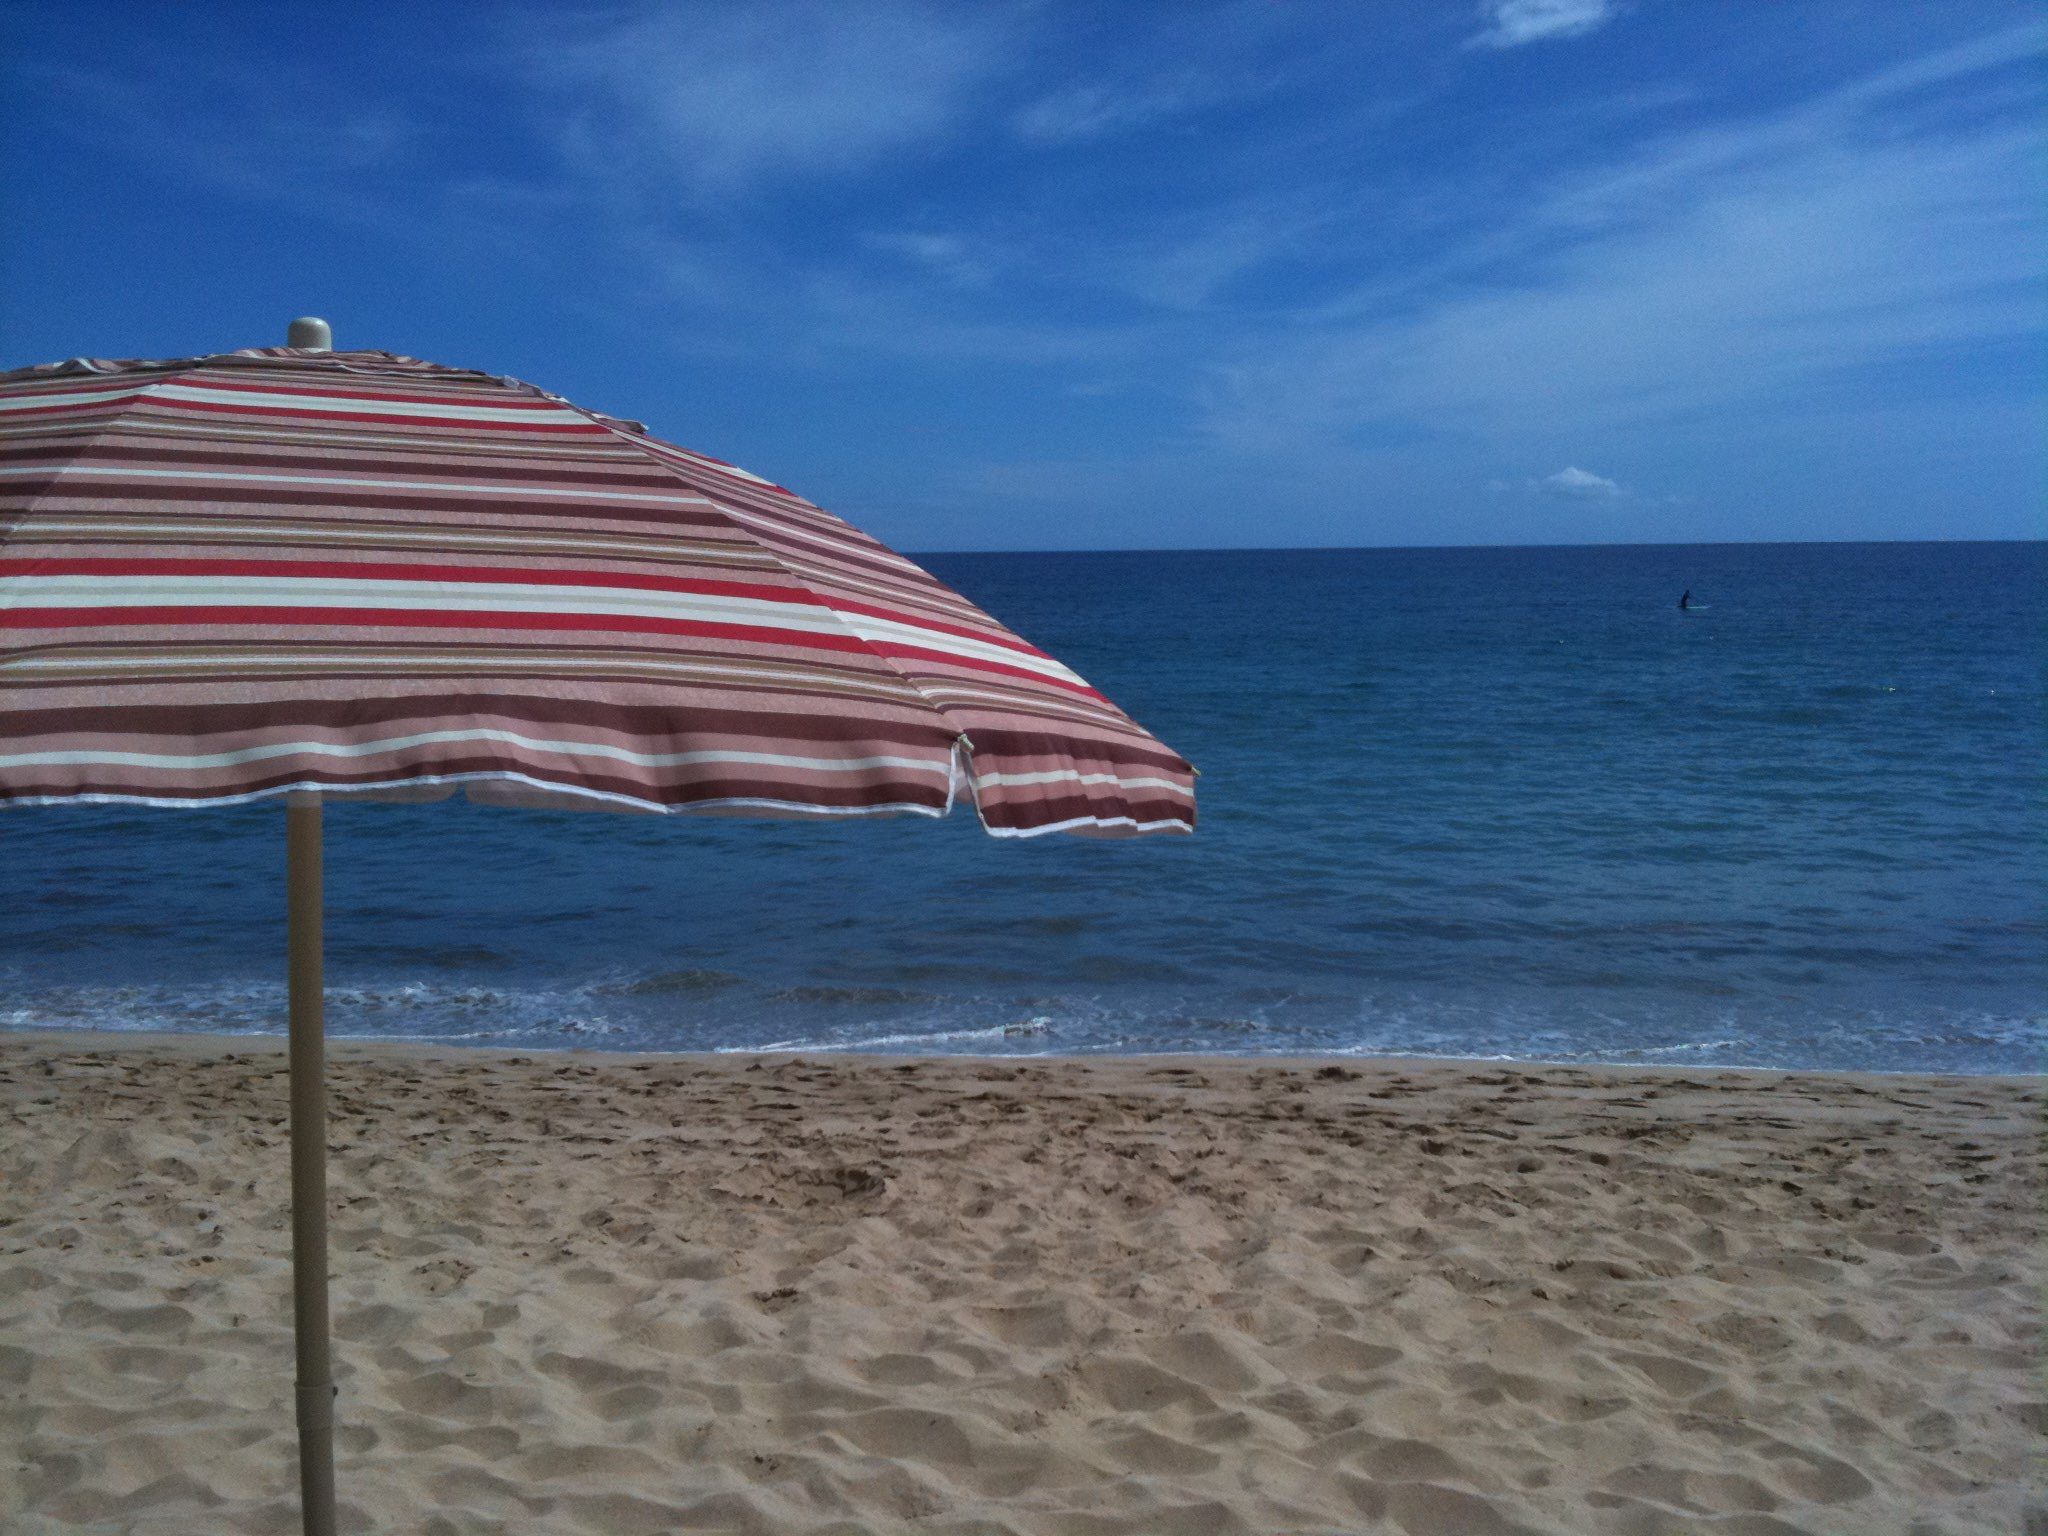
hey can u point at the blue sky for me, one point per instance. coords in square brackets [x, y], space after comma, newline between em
[1011, 276]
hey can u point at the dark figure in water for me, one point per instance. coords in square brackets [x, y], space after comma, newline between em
[1685, 600]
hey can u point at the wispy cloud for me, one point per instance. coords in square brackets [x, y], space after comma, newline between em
[1192, 261]
[305, 148]
[266, 137]
[1261, 256]
[724, 94]
[1511, 23]
[1089, 111]
[1732, 268]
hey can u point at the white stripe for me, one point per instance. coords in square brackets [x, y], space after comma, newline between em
[1078, 822]
[204, 395]
[803, 617]
[212, 663]
[1066, 775]
[875, 688]
[287, 591]
[178, 763]
[355, 434]
[30, 402]
[508, 493]
[871, 628]
[601, 545]
[72, 365]
[604, 547]
[575, 791]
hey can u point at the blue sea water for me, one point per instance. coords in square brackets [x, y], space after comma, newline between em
[1476, 802]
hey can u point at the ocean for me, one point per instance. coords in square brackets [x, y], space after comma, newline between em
[1494, 803]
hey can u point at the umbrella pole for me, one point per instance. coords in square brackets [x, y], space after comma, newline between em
[309, 1162]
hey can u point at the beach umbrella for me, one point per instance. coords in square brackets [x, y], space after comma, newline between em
[298, 573]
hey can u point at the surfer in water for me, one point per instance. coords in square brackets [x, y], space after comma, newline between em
[1685, 600]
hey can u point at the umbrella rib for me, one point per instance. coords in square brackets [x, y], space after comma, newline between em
[907, 626]
[165, 372]
[65, 459]
[732, 516]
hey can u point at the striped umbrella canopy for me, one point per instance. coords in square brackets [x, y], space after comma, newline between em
[302, 573]
[233, 576]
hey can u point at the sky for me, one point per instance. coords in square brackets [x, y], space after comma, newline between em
[1037, 275]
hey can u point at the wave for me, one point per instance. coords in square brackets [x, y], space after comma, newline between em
[689, 1010]
[898, 1043]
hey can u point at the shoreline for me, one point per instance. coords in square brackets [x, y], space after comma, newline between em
[606, 1294]
[208, 1041]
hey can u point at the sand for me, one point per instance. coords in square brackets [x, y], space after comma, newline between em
[579, 1293]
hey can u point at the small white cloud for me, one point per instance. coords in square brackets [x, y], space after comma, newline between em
[1578, 485]
[1511, 23]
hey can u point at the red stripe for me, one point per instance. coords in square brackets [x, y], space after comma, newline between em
[504, 399]
[188, 618]
[27, 381]
[381, 418]
[97, 403]
[401, 618]
[93, 778]
[85, 485]
[365, 570]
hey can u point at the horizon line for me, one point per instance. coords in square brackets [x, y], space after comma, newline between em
[1282, 549]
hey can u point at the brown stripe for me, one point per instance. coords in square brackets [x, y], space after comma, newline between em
[724, 542]
[309, 433]
[257, 680]
[1122, 753]
[1038, 813]
[732, 558]
[861, 671]
[353, 717]
[66, 487]
[677, 793]
[95, 453]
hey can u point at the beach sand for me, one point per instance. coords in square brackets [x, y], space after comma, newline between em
[611, 1294]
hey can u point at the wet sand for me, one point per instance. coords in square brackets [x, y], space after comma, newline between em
[611, 1294]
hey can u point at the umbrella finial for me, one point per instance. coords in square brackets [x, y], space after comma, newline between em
[310, 333]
